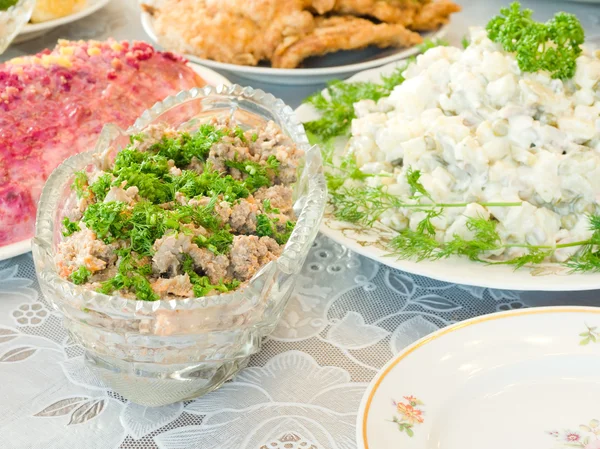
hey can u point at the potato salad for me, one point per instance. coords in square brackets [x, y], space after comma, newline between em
[479, 151]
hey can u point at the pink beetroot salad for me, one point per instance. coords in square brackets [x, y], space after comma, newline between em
[54, 105]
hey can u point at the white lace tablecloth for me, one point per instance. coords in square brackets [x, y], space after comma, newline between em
[347, 318]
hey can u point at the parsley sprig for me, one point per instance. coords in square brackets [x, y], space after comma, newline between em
[552, 46]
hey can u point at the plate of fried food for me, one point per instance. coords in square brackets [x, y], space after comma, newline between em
[49, 14]
[54, 105]
[475, 165]
[295, 41]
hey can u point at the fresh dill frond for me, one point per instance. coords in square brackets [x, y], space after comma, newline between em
[534, 256]
[432, 43]
[337, 106]
[425, 226]
[413, 178]
[414, 245]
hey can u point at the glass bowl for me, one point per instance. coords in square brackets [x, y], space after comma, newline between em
[157, 353]
[12, 20]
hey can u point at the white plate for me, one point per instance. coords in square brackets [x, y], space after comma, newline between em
[519, 379]
[319, 70]
[211, 77]
[550, 277]
[33, 30]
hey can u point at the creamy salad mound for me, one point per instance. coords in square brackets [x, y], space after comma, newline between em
[479, 131]
[178, 214]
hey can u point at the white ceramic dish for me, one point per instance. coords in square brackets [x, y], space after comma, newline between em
[319, 70]
[211, 77]
[456, 270]
[518, 379]
[33, 30]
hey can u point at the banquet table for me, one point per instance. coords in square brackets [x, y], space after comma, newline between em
[347, 317]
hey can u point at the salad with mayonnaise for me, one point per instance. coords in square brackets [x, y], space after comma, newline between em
[491, 151]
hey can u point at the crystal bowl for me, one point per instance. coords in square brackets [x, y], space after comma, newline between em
[12, 20]
[157, 353]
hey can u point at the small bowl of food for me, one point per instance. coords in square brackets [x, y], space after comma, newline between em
[172, 248]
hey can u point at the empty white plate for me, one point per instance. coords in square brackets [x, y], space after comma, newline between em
[520, 379]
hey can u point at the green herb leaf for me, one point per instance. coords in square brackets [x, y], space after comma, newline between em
[101, 187]
[553, 46]
[183, 148]
[107, 220]
[219, 242]
[267, 227]
[80, 184]
[80, 276]
[70, 227]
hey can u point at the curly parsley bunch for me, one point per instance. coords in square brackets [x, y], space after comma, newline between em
[553, 46]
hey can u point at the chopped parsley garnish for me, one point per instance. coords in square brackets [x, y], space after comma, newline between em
[172, 165]
[69, 227]
[465, 42]
[239, 133]
[210, 183]
[258, 175]
[107, 220]
[151, 186]
[267, 227]
[219, 242]
[80, 276]
[183, 148]
[268, 208]
[80, 185]
[101, 187]
[202, 285]
[254, 137]
[552, 46]
[131, 276]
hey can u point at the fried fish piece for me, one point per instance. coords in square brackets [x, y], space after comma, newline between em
[418, 15]
[433, 15]
[286, 32]
[332, 34]
[233, 31]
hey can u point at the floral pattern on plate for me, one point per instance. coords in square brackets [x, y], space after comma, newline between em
[587, 437]
[408, 414]
[590, 335]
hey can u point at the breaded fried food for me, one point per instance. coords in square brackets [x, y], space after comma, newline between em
[285, 32]
[420, 15]
[331, 35]
[234, 31]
